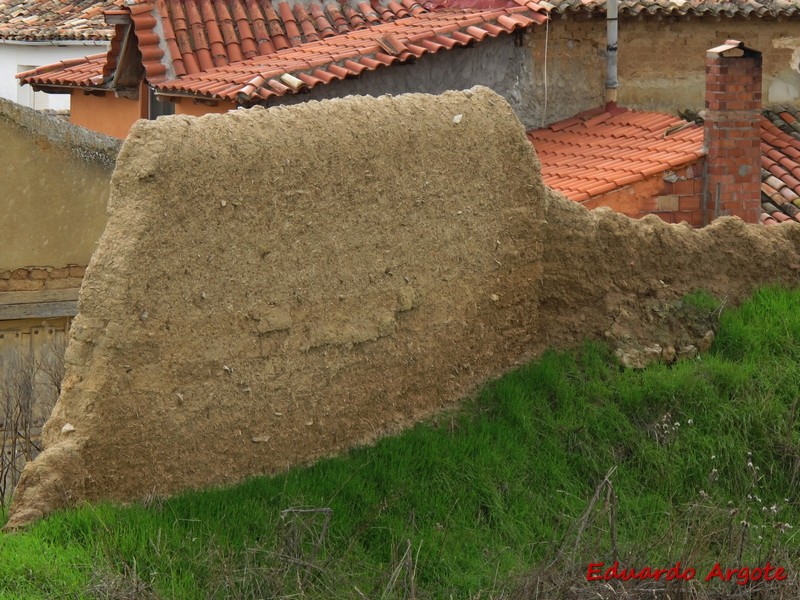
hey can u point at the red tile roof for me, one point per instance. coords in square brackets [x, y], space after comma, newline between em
[249, 51]
[780, 165]
[349, 54]
[84, 72]
[729, 8]
[602, 150]
[38, 20]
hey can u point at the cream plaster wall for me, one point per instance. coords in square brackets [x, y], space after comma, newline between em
[661, 62]
[53, 202]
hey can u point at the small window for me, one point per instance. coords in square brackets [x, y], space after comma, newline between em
[156, 108]
[27, 97]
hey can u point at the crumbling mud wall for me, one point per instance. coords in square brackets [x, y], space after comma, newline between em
[277, 285]
[612, 277]
[90, 146]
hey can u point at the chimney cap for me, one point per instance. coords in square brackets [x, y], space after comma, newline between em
[117, 17]
[732, 45]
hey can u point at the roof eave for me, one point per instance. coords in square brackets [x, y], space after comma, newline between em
[55, 42]
[61, 88]
[171, 95]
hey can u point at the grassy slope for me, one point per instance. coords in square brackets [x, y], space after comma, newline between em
[482, 495]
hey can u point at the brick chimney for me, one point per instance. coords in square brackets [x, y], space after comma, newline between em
[733, 132]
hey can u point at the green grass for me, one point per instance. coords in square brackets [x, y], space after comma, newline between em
[483, 495]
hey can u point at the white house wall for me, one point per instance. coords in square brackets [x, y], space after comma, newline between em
[14, 55]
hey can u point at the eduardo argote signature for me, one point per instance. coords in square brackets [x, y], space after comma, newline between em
[742, 574]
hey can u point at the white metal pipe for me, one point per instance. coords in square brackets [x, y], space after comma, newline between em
[612, 19]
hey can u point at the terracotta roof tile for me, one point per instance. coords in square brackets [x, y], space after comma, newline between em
[729, 8]
[780, 189]
[84, 72]
[217, 48]
[603, 143]
[581, 151]
[55, 20]
[360, 46]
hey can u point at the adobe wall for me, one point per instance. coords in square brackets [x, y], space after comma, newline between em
[54, 192]
[278, 285]
[661, 61]
[89, 145]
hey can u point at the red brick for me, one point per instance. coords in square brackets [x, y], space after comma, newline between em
[690, 203]
[697, 219]
[648, 204]
[683, 187]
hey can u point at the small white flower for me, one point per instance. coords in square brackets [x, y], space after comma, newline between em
[690, 421]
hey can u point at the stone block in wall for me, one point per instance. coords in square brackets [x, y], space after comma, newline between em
[25, 285]
[669, 203]
[63, 283]
[37, 273]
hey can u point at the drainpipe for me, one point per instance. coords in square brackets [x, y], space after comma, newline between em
[611, 53]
